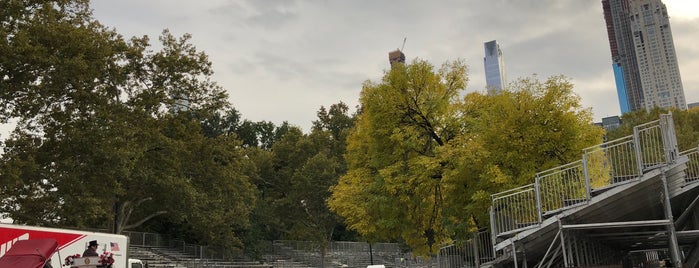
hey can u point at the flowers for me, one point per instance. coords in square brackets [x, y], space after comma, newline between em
[107, 258]
[69, 259]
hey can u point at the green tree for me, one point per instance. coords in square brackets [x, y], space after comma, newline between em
[113, 131]
[686, 125]
[293, 177]
[422, 163]
[393, 188]
[534, 126]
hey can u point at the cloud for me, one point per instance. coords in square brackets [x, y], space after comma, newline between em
[281, 60]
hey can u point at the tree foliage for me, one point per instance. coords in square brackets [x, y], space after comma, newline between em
[113, 131]
[423, 161]
[535, 126]
[294, 178]
[120, 133]
[393, 188]
[686, 125]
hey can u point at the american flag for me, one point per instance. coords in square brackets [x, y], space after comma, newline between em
[114, 246]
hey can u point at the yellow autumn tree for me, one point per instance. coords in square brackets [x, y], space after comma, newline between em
[423, 160]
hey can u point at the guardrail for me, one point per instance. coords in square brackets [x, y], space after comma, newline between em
[469, 253]
[561, 187]
[195, 251]
[603, 166]
[692, 171]
[514, 209]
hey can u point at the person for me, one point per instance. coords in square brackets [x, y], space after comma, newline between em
[47, 264]
[91, 250]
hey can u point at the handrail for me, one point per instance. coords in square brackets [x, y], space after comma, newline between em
[507, 192]
[692, 171]
[609, 164]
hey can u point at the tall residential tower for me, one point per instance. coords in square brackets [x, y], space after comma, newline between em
[643, 55]
[494, 67]
[396, 56]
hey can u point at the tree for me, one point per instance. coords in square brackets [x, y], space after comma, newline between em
[293, 177]
[422, 163]
[686, 122]
[393, 188]
[112, 131]
[535, 126]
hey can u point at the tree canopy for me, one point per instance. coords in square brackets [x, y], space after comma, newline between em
[423, 160]
[686, 125]
[112, 130]
[128, 135]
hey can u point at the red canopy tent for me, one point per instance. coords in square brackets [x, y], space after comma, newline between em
[29, 253]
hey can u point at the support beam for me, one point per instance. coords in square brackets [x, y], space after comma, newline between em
[514, 252]
[563, 244]
[619, 224]
[549, 249]
[682, 219]
[555, 255]
[693, 259]
[693, 256]
[674, 246]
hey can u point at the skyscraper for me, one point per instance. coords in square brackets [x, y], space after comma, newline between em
[494, 67]
[643, 55]
[396, 56]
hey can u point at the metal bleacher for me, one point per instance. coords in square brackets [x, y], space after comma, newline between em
[629, 202]
[157, 252]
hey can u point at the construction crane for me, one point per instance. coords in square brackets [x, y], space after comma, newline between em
[397, 56]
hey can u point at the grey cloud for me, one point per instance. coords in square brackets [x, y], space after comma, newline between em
[280, 66]
[327, 48]
[269, 15]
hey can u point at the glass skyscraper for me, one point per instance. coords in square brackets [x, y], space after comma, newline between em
[494, 67]
[643, 55]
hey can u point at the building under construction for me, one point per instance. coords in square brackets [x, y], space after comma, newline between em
[630, 202]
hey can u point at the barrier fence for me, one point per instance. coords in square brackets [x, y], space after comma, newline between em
[692, 171]
[469, 253]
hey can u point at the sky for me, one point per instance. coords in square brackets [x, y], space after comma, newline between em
[281, 60]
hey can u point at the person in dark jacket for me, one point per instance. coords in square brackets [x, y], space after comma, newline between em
[91, 250]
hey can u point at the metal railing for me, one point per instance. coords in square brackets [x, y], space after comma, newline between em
[345, 254]
[184, 254]
[692, 171]
[609, 164]
[561, 187]
[514, 209]
[469, 253]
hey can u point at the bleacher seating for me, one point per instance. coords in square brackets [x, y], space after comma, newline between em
[165, 257]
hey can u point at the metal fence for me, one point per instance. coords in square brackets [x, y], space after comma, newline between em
[611, 163]
[561, 187]
[469, 253]
[343, 254]
[514, 209]
[192, 251]
[606, 165]
[692, 171]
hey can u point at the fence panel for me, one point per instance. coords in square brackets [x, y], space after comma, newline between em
[469, 253]
[514, 209]
[611, 163]
[561, 187]
[651, 144]
[692, 171]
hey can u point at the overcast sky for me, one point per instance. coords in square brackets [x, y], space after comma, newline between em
[281, 60]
